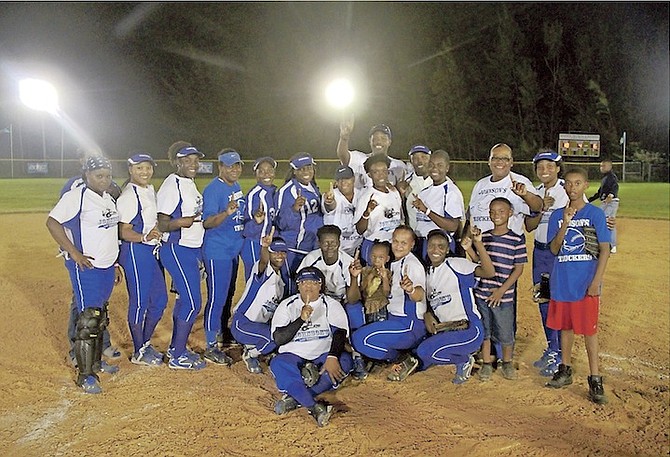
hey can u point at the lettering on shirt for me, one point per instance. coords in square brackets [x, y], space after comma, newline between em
[108, 219]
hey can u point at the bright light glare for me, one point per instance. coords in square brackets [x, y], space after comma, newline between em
[38, 95]
[340, 93]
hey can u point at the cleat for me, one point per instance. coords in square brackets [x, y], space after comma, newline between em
[485, 372]
[187, 361]
[107, 368]
[542, 361]
[252, 363]
[147, 357]
[463, 371]
[613, 250]
[310, 374]
[112, 353]
[216, 355]
[553, 361]
[404, 369]
[359, 373]
[91, 385]
[596, 390]
[321, 413]
[562, 377]
[286, 404]
[508, 371]
[153, 352]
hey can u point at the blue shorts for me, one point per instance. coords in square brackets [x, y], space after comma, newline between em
[498, 322]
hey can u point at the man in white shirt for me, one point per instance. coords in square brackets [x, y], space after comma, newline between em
[417, 179]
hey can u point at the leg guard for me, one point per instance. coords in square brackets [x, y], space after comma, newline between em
[88, 342]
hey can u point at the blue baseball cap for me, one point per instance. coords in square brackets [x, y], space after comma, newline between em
[97, 162]
[309, 274]
[267, 159]
[278, 245]
[420, 148]
[344, 172]
[187, 151]
[381, 128]
[302, 159]
[139, 158]
[547, 155]
[230, 158]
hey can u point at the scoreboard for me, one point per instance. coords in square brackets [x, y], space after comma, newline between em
[579, 145]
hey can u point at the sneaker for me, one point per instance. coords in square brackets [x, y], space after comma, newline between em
[359, 372]
[553, 361]
[542, 361]
[187, 361]
[310, 374]
[107, 368]
[146, 357]
[613, 250]
[252, 363]
[112, 353]
[321, 413]
[154, 353]
[485, 372]
[404, 369]
[91, 385]
[286, 404]
[596, 390]
[463, 371]
[216, 355]
[508, 371]
[562, 377]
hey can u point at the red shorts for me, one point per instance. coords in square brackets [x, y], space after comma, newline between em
[580, 316]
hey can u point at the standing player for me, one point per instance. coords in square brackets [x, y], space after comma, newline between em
[138, 230]
[339, 206]
[608, 194]
[223, 216]
[417, 179]
[380, 141]
[547, 167]
[259, 213]
[580, 240]
[179, 206]
[299, 209]
[84, 224]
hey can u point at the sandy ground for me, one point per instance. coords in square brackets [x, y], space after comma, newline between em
[228, 411]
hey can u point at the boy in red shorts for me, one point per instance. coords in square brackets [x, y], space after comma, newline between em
[576, 279]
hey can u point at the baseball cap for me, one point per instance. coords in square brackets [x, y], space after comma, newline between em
[267, 159]
[381, 128]
[97, 162]
[344, 172]
[420, 148]
[309, 274]
[139, 158]
[187, 151]
[278, 245]
[547, 155]
[230, 158]
[301, 159]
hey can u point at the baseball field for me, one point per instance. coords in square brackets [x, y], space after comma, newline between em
[228, 411]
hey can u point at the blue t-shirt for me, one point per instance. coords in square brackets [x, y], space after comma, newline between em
[225, 240]
[575, 268]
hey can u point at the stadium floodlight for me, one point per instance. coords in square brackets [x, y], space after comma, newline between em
[39, 95]
[340, 93]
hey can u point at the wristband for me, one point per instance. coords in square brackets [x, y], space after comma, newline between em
[366, 217]
[412, 292]
[144, 238]
[428, 211]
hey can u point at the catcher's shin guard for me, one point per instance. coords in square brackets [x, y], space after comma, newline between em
[88, 343]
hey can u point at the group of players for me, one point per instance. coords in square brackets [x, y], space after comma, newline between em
[386, 266]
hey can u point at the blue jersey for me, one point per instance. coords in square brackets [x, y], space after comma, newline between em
[575, 268]
[259, 196]
[506, 251]
[298, 228]
[225, 240]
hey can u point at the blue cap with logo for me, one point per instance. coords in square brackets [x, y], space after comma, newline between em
[187, 151]
[547, 155]
[137, 159]
[278, 245]
[301, 159]
[381, 128]
[420, 148]
[309, 274]
[230, 158]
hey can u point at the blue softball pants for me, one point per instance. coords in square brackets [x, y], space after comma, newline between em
[256, 334]
[382, 340]
[447, 348]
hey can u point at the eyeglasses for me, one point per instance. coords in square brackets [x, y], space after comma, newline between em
[500, 159]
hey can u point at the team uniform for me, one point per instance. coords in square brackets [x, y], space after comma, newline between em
[449, 291]
[343, 217]
[337, 275]
[298, 228]
[145, 280]
[486, 190]
[312, 342]
[180, 254]
[404, 327]
[260, 196]
[445, 200]
[382, 221]
[397, 169]
[221, 249]
[570, 307]
[416, 184]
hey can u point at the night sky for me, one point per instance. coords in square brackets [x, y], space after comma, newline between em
[250, 75]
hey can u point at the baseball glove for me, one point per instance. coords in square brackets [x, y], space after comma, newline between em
[452, 326]
[591, 241]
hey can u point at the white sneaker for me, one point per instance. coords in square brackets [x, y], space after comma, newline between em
[613, 250]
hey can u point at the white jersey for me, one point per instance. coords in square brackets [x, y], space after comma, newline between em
[137, 206]
[91, 222]
[446, 292]
[399, 303]
[337, 275]
[486, 190]
[179, 197]
[397, 169]
[416, 185]
[560, 201]
[314, 337]
[445, 200]
[261, 295]
[386, 216]
[343, 217]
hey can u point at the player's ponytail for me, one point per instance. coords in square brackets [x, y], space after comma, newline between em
[174, 148]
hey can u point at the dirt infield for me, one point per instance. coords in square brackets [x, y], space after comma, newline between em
[228, 411]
